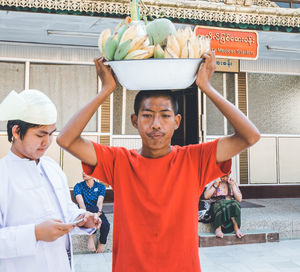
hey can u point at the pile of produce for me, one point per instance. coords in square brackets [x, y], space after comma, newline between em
[157, 39]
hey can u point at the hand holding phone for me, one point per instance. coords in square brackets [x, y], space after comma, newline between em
[74, 223]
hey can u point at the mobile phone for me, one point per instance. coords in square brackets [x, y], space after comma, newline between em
[74, 223]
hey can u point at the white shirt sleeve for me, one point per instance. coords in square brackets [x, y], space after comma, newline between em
[17, 241]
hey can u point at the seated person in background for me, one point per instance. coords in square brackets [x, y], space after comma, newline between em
[225, 195]
[89, 195]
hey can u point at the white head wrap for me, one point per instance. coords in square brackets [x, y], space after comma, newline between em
[31, 106]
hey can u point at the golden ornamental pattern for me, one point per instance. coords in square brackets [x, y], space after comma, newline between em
[257, 12]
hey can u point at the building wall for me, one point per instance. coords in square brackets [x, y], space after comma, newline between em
[69, 78]
[272, 103]
[68, 86]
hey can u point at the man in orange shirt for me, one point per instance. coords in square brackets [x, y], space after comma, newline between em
[157, 187]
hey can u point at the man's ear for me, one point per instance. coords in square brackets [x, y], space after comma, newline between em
[177, 121]
[15, 132]
[134, 120]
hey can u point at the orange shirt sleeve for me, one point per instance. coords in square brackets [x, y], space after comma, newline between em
[209, 169]
[105, 161]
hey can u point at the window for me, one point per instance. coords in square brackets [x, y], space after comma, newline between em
[216, 123]
[287, 3]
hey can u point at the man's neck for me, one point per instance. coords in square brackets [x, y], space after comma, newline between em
[14, 150]
[154, 154]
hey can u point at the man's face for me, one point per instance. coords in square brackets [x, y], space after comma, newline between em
[85, 176]
[156, 122]
[35, 142]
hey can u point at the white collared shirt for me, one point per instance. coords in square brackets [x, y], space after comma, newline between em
[28, 198]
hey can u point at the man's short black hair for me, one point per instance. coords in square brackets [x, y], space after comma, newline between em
[22, 128]
[157, 93]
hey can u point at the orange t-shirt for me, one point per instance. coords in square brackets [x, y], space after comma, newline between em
[156, 204]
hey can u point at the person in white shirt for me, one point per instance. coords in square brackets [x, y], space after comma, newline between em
[36, 210]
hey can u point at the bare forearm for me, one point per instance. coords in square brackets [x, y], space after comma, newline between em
[70, 138]
[80, 202]
[209, 192]
[237, 195]
[246, 134]
[100, 207]
[236, 192]
[100, 203]
[82, 206]
[241, 124]
[72, 131]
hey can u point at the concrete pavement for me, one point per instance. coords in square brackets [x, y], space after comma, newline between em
[280, 215]
[283, 256]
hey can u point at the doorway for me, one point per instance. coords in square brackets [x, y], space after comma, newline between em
[188, 131]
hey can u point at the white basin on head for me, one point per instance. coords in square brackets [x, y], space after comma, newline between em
[156, 74]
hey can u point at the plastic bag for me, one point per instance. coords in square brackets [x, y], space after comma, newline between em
[204, 212]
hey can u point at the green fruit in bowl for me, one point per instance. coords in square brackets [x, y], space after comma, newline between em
[159, 30]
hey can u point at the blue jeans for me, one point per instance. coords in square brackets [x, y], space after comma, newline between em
[105, 226]
[104, 229]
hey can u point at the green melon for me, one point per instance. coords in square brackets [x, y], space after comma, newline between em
[159, 30]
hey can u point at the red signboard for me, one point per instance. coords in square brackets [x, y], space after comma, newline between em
[229, 43]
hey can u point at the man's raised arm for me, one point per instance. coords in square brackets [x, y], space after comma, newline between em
[246, 134]
[70, 136]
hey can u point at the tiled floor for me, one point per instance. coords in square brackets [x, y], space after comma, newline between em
[283, 256]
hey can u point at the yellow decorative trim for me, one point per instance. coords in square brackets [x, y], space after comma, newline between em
[256, 12]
